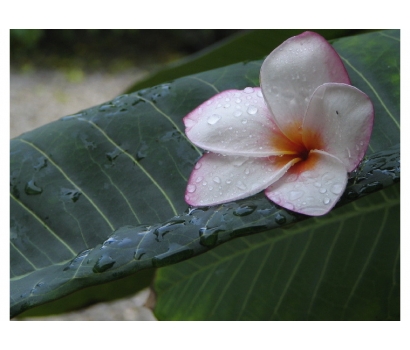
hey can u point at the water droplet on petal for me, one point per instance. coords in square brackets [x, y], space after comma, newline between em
[248, 90]
[295, 195]
[337, 188]
[217, 179]
[259, 94]
[247, 171]
[213, 119]
[189, 122]
[326, 201]
[244, 121]
[191, 188]
[318, 184]
[238, 100]
[237, 113]
[252, 109]
[241, 185]
[322, 190]
[228, 181]
[197, 165]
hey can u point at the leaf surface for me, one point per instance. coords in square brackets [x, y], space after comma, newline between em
[342, 266]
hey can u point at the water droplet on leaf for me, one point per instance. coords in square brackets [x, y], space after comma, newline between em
[31, 188]
[244, 210]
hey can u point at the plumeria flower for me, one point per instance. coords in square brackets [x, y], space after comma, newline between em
[296, 137]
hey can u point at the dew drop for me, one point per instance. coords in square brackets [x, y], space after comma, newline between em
[213, 119]
[199, 179]
[322, 190]
[337, 188]
[103, 264]
[31, 188]
[293, 195]
[217, 179]
[244, 210]
[326, 201]
[238, 100]
[197, 165]
[247, 171]
[191, 188]
[139, 253]
[241, 185]
[259, 94]
[318, 184]
[227, 105]
[239, 161]
[244, 121]
[228, 181]
[280, 219]
[252, 109]
[237, 113]
[248, 90]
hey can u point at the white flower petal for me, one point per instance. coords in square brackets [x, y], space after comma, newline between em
[292, 72]
[310, 187]
[237, 122]
[339, 120]
[219, 179]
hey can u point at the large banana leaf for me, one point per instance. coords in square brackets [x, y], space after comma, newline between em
[98, 195]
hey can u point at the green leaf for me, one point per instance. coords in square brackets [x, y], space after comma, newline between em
[342, 266]
[99, 195]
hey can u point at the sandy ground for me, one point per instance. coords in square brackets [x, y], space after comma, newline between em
[40, 97]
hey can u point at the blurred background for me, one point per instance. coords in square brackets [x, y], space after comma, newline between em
[59, 72]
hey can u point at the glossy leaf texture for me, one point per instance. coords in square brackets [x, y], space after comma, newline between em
[342, 266]
[99, 195]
